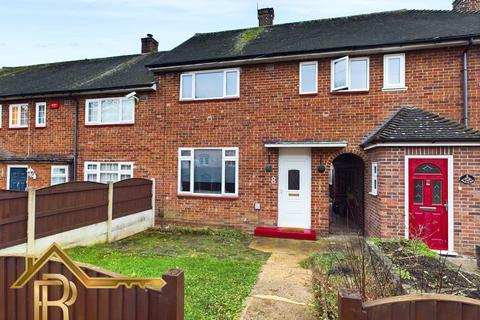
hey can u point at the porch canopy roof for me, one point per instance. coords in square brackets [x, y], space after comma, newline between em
[410, 125]
[8, 156]
[306, 144]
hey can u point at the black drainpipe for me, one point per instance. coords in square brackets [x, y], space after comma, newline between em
[75, 140]
[465, 82]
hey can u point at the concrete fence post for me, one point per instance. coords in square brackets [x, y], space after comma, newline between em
[154, 197]
[350, 305]
[31, 221]
[110, 212]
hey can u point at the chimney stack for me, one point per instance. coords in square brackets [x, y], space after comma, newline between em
[466, 5]
[265, 17]
[149, 44]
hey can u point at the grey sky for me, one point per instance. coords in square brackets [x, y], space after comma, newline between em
[33, 31]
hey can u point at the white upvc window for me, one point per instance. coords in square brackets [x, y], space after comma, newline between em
[59, 174]
[374, 190]
[104, 172]
[211, 84]
[110, 111]
[208, 171]
[40, 114]
[308, 77]
[350, 74]
[18, 116]
[1, 115]
[394, 72]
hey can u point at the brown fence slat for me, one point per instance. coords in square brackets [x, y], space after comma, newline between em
[131, 196]
[13, 218]
[118, 304]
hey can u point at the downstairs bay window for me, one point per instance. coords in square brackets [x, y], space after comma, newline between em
[104, 172]
[208, 171]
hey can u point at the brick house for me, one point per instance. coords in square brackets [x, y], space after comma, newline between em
[367, 122]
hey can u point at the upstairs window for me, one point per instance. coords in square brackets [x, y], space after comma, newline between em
[110, 111]
[40, 114]
[202, 85]
[394, 71]
[374, 190]
[350, 74]
[18, 115]
[104, 172]
[208, 171]
[308, 77]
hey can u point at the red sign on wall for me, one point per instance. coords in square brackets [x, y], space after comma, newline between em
[54, 105]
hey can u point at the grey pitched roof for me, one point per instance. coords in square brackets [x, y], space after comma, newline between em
[78, 76]
[347, 33]
[411, 124]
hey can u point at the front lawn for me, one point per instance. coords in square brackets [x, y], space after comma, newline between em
[220, 269]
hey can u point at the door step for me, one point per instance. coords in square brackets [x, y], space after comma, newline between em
[286, 233]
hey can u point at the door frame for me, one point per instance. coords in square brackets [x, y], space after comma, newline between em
[13, 166]
[295, 155]
[451, 215]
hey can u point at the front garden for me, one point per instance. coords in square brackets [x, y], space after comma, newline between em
[220, 269]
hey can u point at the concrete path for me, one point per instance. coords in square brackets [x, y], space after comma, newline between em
[283, 289]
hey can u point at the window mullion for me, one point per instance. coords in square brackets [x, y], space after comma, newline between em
[223, 171]
[191, 172]
[224, 83]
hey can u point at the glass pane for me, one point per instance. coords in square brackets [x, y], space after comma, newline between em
[437, 192]
[309, 79]
[230, 177]
[185, 176]
[41, 114]
[108, 177]
[186, 153]
[187, 87]
[24, 115]
[92, 177]
[93, 111]
[232, 84]
[393, 71]
[127, 109]
[109, 167]
[125, 176]
[293, 179]
[126, 167]
[340, 73]
[209, 85]
[15, 116]
[110, 112]
[208, 171]
[58, 180]
[428, 168]
[59, 170]
[358, 69]
[230, 153]
[418, 191]
[92, 167]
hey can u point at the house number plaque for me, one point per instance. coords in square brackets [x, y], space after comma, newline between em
[467, 179]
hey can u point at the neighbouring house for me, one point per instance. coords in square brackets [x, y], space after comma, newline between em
[367, 122]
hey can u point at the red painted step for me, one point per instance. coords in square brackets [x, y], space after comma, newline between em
[286, 233]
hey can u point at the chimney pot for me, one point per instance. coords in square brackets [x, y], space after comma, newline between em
[149, 44]
[265, 17]
[466, 5]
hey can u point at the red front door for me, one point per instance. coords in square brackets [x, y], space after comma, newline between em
[428, 201]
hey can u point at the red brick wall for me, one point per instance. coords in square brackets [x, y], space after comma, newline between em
[385, 212]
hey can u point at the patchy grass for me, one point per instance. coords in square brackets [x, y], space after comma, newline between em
[220, 269]
[414, 247]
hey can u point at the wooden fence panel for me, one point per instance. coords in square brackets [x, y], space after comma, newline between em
[92, 304]
[70, 206]
[13, 218]
[412, 307]
[131, 196]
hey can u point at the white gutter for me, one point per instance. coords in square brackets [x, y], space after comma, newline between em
[326, 144]
[311, 56]
[81, 93]
[423, 144]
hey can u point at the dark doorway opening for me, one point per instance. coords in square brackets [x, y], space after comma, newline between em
[347, 194]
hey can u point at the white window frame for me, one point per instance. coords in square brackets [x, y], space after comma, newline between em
[56, 175]
[19, 106]
[346, 88]
[99, 121]
[37, 122]
[224, 96]
[374, 190]
[1, 115]
[395, 86]
[97, 171]
[191, 158]
[315, 63]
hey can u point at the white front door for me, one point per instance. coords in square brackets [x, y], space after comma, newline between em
[294, 188]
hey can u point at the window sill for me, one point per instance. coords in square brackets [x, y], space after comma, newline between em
[350, 91]
[110, 124]
[394, 89]
[373, 194]
[302, 94]
[207, 196]
[208, 99]
[17, 128]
